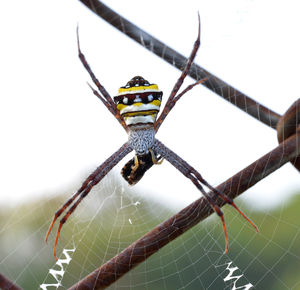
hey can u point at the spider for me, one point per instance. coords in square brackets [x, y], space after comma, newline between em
[136, 108]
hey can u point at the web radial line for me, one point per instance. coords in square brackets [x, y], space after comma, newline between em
[224, 90]
[172, 228]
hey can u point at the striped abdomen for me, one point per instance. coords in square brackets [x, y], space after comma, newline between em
[138, 102]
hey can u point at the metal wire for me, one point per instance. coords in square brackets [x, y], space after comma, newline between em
[164, 233]
[177, 60]
[5, 283]
[288, 150]
[288, 128]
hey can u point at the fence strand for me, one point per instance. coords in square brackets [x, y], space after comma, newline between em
[287, 150]
[215, 84]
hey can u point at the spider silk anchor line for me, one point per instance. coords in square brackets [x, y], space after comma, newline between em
[136, 109]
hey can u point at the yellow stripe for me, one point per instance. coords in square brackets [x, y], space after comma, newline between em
[121, 106]
[154, 102]
[140, 113]
[139, 88]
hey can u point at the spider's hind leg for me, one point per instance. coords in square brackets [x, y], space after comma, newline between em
[93, 179]
[197, 179]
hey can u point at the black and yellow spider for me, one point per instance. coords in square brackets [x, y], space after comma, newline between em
[136, 108]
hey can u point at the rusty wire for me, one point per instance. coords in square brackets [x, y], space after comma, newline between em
[177, 60]
[197, 211]
[6, 284]
[287, 126]
[288, 130]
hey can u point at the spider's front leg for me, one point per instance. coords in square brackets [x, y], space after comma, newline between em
[103, 95]
[86, 187]
[174, 97]
[197, 179]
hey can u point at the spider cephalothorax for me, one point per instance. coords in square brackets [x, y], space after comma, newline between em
[136, 108]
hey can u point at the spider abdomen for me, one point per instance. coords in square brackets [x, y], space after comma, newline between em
[138, 102]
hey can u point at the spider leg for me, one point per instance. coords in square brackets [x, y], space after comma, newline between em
[116, 113]
[155, 160]
[172, 98]
[103, 95]
[226, 198]
[215, 207]
[196, 178]
[86, 187]
[135, 166]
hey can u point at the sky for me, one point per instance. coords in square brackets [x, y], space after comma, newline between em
[54, 131]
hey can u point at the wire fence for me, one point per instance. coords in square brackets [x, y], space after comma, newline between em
[177, 60]
[5, 283]
[288, 150]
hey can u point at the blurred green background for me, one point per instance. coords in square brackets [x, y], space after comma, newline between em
[111, 218]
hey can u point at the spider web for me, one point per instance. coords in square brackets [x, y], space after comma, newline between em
[114, 214]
